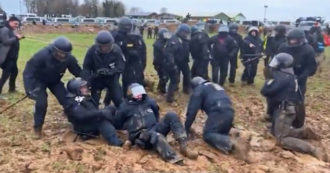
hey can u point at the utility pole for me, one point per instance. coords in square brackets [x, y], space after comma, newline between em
[266, 6]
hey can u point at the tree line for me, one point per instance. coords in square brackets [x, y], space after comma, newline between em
[89, 8]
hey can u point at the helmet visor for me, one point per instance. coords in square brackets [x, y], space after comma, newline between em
[167, 35]
[60, 55]
[104, 48]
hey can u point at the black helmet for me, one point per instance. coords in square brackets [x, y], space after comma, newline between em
[125, 25]
[197, 81]
[281, 60]
[296, 37]
[280, 29]
[233, 28]
[61, 48]
[164, 34]
[184, 31]
[104, 41]
[74, 85]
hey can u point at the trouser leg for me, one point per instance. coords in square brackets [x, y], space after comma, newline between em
[4, 77]
[109, 133]
[233, 67]
[223, 70]
[40, 108]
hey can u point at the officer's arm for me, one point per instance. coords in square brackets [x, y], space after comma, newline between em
[233, 47]
[157, 54]
[87, 65]
[195, 103]
[5, 39]
[170, 51]
[120, 116]
[272, 87]
[30, 70]
[311, 65]
[74, 67]
[84, 115]
[120, 62]
[155, 108]
[144, 53]
[205, 46]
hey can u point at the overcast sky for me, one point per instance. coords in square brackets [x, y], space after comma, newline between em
[252, 9]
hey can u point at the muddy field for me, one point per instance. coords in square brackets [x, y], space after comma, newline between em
[57, 151]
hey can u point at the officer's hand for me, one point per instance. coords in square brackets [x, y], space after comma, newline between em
[103, 71]
[33, 94]
[251, 45]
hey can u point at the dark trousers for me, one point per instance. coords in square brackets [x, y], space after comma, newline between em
[200, 68]
[217, 128]
[114, 91]
[133, 73]
[93, 129]
[290, 138]
[173, 75]
[10, 72]
[155, 137]
[41, 103]
[250, 71]
[163, 78]
[185, 70]
[219, 65]
[233, 67]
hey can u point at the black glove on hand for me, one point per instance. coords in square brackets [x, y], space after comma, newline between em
[104, 72]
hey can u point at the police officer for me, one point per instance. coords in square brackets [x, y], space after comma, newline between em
[103, 64]
[252, 48]
[304, 65]
[200, 52]
[177, 59]
[139, 115]
[223, 47]
[159, 58]
[134, 49]
[281, 91]
[273, 43]
[45, 70]
[88, 121]
[213, 100]
[282, 84]
[233, 32]
[9, 48]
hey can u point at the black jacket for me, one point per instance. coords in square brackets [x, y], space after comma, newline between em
[238, 38]
[133, 47]
[281, 87]
[304, 63]
[159, 52]
[199, 46]
[114, 61]
[44, 68]
[84, 114]
[135, 116]
[223, 46]
[273, 43]
[209, 97]
[246, 49]
[177, 51]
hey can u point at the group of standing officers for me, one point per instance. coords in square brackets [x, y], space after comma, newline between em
[122, 54]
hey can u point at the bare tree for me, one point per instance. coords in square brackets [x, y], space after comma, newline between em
[135, 10]
[113, 8]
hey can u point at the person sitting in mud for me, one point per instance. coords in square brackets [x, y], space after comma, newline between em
[88, 121]
[139, 115]
[213, 100]
[282, 94]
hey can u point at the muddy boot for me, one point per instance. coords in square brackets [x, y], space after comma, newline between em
[37, 131]
[127, 145]
[310, 134]
[176, 160]
[320, 154]
[184, 150]
[241, 149]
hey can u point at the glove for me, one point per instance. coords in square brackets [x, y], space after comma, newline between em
[105, 72]
[33, 94]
